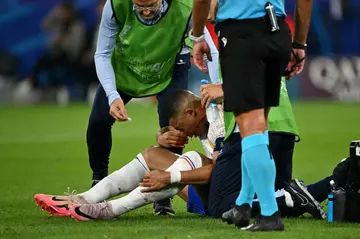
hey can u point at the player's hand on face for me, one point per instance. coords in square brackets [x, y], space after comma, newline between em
[173, 138]
[296, 64]
[155, 180]
[118, 111]
[210, 92]
[199, 50]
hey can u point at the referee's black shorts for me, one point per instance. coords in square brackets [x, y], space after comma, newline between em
[253, 61]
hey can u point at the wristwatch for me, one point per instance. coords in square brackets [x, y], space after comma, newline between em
[297, 45]
[196, 39]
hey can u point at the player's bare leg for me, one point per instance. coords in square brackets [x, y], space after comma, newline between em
[137, 198]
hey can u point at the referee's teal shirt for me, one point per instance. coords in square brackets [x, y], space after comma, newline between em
[247, 9]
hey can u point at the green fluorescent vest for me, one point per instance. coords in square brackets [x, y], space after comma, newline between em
[144, 56]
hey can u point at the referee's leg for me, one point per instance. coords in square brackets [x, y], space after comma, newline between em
[244, 55]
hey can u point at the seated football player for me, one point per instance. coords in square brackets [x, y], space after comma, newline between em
[157, 167]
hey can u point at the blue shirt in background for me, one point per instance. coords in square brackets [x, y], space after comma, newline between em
[247, 9]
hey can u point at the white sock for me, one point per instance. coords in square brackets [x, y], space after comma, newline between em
[121, 181]
[136, 198]
[186, 162]
[288, 199]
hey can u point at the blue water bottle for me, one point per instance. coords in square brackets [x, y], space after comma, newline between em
[331, 202]
[212, 111]
[330, 207]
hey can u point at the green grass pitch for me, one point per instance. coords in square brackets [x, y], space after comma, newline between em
[43, 150]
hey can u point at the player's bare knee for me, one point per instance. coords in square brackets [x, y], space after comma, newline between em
[158, 157]
[149, 153]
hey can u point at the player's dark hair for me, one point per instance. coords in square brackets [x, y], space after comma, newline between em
[175, 103]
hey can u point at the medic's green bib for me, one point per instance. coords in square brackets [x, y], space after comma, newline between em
[144, 56]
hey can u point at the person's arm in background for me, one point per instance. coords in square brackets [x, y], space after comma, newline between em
[213, 66]
[302, 20]
[200, 47]
[108, 32]
[302, 25]
[213, 10]
[200, 13]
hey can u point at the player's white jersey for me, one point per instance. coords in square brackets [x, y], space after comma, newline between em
[216, 130]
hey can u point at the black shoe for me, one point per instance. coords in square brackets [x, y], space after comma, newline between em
[266, 223]
[238, 215]
[163, 207]
[303, 199]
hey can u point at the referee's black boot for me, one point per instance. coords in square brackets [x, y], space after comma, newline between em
[266, 223]
[238, 215]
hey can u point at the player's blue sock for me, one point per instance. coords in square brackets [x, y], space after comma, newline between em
[260, 167]
[195, 204]
[247, 190]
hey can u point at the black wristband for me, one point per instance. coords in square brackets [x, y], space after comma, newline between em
[297, 45]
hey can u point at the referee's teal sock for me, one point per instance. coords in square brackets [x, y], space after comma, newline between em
[247, 190]
[260, 168]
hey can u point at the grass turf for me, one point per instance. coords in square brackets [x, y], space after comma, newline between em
[43, 150]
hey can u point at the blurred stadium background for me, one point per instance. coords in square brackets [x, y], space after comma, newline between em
[43, 147]
[332, 72]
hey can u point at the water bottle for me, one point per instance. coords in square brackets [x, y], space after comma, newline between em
[212, 111]
[331, 202]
